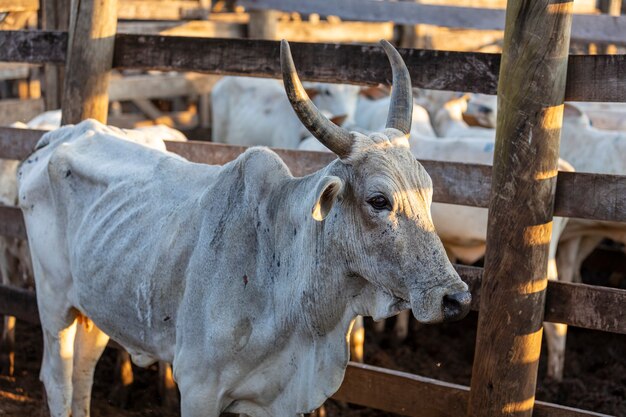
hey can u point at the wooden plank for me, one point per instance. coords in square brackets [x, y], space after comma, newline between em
[358, 64]
[19, 5]
[156, 10]
[596, 78]
[16, 110]
[513, 290]
[400, 13]
[160, 86]
[263, 24]
[590, 77]
[342, 32]
[12, 222]
[194, 28]
[10, 71]
[20, 303]
[413, 395]
[587, 306]
[580, 6]
[18, 143]
[90, 45]
[34, 47]
[585, 27]
[588, 196]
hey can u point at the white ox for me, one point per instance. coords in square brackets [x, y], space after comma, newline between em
[253, 111]
[243, 276]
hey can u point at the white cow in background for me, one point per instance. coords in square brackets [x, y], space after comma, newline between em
[243, 276]
[253, 111]
[152, 136]
[449, 121]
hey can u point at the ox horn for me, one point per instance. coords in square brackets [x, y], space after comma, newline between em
[401, 104]
[335, 138]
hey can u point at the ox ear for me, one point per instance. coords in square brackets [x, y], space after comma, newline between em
[325, 196]
[312, 92]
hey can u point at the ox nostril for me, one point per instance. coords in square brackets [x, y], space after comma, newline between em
[456, 306]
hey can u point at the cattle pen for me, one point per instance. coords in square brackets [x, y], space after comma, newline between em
[511, 293]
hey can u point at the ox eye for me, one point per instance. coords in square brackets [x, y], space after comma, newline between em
[379, 202]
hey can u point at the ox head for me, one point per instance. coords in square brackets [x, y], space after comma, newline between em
[375, 205]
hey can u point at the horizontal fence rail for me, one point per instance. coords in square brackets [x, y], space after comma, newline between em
[588, 196]
[413, 395]
[590, 77]
[589, 28]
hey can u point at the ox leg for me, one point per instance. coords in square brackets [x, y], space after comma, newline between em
[88, 347]
[357, 340]
[7, 343]
[120, 393]
[379, 327]
[401, 327]
[167, 387]
[56, 368]
[7, 346]
[556, 333]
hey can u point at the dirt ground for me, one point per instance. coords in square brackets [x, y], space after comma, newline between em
[595, 373]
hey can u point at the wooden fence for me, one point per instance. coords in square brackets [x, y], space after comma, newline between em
[587, 28]
[589, 78]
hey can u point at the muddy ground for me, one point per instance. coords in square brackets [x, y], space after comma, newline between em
[595, 374]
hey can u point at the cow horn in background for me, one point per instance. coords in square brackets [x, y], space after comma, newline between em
[335, 138]
[401, 104]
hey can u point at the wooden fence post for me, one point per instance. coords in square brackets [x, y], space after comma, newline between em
[612, 8]
[263, 24]
[55, 15]
[90, 55]
[531, 91]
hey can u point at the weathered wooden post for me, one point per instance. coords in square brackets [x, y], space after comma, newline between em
[612, 8]
[55, 15]
[263, 24]
[90, 55]
[530, 98]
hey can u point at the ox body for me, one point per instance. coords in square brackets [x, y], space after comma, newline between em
[243, 276]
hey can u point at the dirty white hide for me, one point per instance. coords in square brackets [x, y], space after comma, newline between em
[604, 116]
[251, 111]
[243, 276]
[371, 115]
[449, 122]
[151, 136]
[484, 109]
